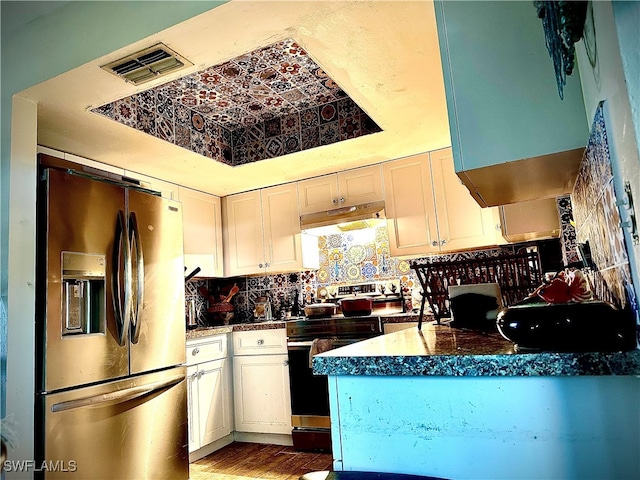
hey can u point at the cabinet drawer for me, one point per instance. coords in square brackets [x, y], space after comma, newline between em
[260, 342]
[206, 349]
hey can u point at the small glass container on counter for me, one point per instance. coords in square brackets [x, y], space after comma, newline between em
[262, 310]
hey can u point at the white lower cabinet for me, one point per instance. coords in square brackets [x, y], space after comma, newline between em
[262, 397]
[209, 392]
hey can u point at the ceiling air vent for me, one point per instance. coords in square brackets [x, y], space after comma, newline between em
[150, 63]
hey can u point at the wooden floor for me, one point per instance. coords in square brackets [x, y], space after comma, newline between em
[243, 461]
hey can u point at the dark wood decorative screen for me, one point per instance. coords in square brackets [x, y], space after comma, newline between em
[518, 275]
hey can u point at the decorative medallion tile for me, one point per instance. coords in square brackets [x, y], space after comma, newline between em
[125, 112]
[348, 108]
[272, 128]
[328, 113]
[274, 147]
[369, 270]
[146, 120]
[310, 138]
[329, 133]
[350, 127]
[291, 143]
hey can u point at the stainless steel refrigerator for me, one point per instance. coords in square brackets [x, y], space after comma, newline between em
[111, 389]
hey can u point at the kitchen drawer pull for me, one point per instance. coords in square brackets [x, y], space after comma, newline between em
[195, 351]
[260, 341]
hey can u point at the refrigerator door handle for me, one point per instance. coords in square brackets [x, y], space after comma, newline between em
[121, 307]
[136, 242]
[119, 396]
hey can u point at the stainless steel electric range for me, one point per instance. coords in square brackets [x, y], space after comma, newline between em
[309, 393]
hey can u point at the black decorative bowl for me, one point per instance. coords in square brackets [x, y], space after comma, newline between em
[567, 327]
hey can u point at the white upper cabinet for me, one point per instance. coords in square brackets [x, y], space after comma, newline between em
[281, 227]
[243, 240]
[351, 187]
[512, 135]
[262, 233]
[429, 210]
[410, 206]
[202, 227]
[462, 223]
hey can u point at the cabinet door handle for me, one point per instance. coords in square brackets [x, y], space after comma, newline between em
[442, 242]
[259, 265]
[434, 243]
[335, 201]
[286, 362]
[260, 341]
[341, 200]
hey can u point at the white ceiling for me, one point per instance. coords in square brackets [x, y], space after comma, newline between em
[383, 54]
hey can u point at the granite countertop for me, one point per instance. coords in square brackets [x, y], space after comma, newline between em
[244, 327]
[439, 350]
[238, 327]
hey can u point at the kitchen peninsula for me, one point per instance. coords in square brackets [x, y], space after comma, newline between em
[455, 404]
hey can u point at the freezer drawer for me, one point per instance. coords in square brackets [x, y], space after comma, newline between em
[127, 429]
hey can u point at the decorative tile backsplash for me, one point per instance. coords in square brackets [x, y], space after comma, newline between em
[597, 218]
[354, 257]
[270, 102]
[567, 231]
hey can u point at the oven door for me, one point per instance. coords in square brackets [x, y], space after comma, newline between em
[309, 399]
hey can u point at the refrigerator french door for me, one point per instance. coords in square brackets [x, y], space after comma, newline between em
[111, 379]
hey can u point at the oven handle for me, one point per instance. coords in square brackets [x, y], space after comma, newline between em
[306, 345]
[299, 344]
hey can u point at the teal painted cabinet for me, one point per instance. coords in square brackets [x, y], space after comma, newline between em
[513, 138]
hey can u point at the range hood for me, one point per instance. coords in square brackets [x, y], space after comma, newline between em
[343, 219]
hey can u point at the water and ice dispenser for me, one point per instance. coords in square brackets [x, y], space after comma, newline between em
[83, 294]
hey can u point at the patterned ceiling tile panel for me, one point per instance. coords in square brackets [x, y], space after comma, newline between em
[263, 104]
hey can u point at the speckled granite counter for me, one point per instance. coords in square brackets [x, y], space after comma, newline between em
[440, 350]
[240, 327]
